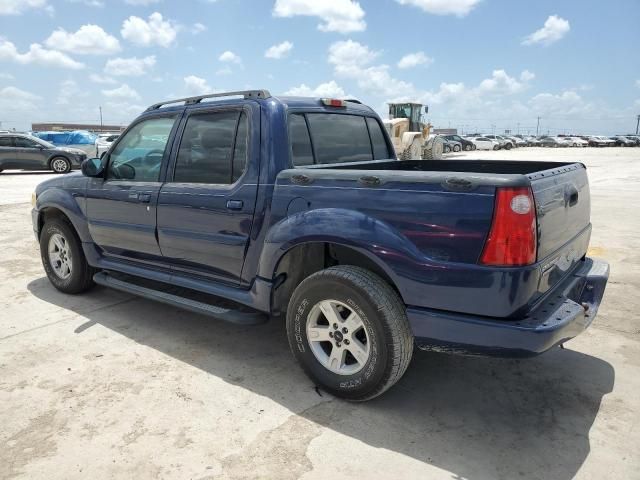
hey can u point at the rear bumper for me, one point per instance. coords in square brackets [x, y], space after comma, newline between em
[565, 312]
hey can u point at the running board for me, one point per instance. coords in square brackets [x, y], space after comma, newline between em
[231, 315]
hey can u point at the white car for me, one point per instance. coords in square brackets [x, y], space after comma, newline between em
[577, 142]
[103, 143]
[484, 143]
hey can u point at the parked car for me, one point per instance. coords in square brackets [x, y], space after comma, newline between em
[634, 139]
[502, 141]
[103, 142]
[451, 146]
[576, 142]
[519, 142]
[78, 139]
[553, 142]
[467, 145]
[25, 152]
[621, 141]
[600, 141]
[196, 202]
[484, 143]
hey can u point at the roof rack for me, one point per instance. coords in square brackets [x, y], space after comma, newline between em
[247, 94]
[353, 100]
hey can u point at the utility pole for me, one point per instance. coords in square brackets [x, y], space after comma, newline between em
[100, 108]
[637, 124]
[518, 128]
[493, 129]
[538, 127]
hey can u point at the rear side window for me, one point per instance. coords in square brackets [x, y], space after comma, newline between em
[209, 150]
[326, 138]
[6, 142]
[378, 142]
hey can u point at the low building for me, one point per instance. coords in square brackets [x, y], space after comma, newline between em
[62, 127]
[445, 131]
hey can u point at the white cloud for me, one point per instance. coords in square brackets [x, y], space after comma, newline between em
[229, 57]
[123, 92]
[17, 7]
[90, 3]
[196, 85]
[568, 103]
[553, 30]
[89, 40]
[6, 76]
[501, 83]
[329, 90]
[198, 27]
[102, 79]
[131, 67]
[12, 99]
[638, 83]
[349, 55]
[280, 50]
[37, 55]
[414, 59]
[155, 31]
[353, 60]
[342, 16]
[69, 93]
[459, 8]
[143, 3]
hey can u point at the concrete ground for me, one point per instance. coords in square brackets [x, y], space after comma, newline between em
[105, 385]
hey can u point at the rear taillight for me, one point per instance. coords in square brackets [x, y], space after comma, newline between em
[512, 238]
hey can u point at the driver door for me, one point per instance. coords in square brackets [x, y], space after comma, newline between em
[121, 208]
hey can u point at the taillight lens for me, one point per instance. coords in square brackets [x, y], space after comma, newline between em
[512, 238]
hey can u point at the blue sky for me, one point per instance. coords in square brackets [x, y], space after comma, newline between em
[479, 64]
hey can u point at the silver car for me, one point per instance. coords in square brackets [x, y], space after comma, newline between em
[25, 152]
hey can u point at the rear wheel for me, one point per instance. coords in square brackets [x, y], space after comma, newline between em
[63, 259]
[60, 165]
[507, 146]
[456, 148]
[468, 147]
[349, 330]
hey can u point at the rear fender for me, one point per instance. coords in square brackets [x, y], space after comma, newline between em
[373, 238]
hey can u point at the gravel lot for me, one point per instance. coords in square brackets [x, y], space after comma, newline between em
[105, 385]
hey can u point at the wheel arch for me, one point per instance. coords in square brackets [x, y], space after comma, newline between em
[305, 258]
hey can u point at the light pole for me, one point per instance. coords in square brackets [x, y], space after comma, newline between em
[100, 108]
[538, 127]
[637, 124]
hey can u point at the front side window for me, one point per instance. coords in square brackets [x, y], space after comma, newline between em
[6, 142]
[213, 148]
[138, 155]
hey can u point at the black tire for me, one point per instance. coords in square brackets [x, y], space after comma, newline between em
[383, 314]
[468, 148]
[507, 146]
[473, 147]
[81, 276]
[55, 161]
[456, 148]
[446, 149]
[496, 147]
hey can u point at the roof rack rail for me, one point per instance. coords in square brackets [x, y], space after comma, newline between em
[247, 94]
[353, 100]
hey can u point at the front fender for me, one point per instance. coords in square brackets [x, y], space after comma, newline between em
[374, 238]
[69, 202]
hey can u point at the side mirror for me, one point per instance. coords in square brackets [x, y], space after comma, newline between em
[92, 167]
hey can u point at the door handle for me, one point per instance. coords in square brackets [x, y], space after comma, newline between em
[234, 204]
[144, 197]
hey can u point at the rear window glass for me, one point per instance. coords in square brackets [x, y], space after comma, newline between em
[335, 138]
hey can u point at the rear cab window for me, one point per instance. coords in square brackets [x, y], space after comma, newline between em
[327, 138]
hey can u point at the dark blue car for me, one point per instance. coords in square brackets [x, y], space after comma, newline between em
[247, 207]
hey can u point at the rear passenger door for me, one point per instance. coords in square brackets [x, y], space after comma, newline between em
[206, 206]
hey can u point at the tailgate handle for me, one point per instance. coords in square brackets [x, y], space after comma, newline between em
[573, 196]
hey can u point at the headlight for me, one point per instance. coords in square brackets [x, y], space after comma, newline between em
[34, 197]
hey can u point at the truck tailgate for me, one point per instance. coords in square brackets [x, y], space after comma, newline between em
[563, 211]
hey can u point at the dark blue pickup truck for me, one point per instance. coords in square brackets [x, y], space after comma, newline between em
[244, 206]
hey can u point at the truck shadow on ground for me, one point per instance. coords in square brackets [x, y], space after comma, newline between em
[474, 417]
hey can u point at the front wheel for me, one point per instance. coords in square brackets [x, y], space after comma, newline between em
[63, 259]
[456, 148]
[349, 330]
[468, 148]
[60, 165]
